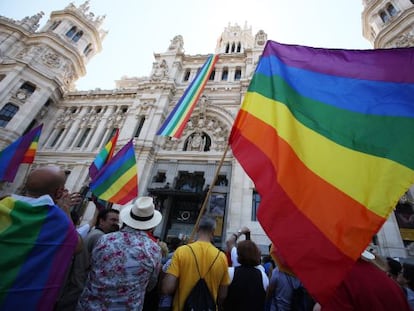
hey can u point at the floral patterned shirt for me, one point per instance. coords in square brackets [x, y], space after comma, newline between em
[125, 264]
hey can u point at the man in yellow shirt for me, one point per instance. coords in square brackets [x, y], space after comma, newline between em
[182, 274]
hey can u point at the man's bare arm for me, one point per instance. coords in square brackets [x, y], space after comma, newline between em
[169, 284]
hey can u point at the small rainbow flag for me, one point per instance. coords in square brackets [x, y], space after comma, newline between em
[176, 121]
[117, 181]
[37, 242]
[326, 136]
[104, 155]
[23, 150]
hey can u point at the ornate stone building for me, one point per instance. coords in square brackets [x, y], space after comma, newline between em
[390, 24]
[39, 67]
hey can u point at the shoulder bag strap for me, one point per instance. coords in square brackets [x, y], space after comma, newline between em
[198, 269]
[195, 258]
[211, 266]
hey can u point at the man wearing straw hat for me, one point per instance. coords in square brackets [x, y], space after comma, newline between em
[126, 263]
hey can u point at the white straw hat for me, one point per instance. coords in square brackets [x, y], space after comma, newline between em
[141, 214]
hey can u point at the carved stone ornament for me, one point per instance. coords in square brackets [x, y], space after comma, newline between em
[160, 71]
[199, 132]
[405, 40]
[68, 75]
[21, 95]
[52, 59]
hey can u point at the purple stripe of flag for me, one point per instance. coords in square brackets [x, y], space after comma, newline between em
[56, 274]
[12, 156]
[392, 65]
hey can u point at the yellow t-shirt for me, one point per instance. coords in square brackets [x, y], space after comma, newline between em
[183, 266]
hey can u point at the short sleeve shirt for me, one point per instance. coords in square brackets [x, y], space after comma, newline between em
[124, 265]
[183, 266]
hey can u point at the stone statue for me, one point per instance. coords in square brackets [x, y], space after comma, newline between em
[160, 70]
[261, 38]
[196, 142]
[84, 7]
[177, 43]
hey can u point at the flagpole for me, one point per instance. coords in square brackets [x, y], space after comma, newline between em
[203, 207]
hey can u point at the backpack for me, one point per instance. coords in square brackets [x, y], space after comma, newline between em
[301, 300]
[200, 298]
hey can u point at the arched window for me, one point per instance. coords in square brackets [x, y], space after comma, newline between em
[57, 137]
[139, 127]
[237, 74]
[55, 25]
[384, 16]
[255, 204]
[225, 74]
[212, 75]
[71, 32]
[78, 35]
[83, 138]
[7, 113]
[391, 10]
[187, 75]
[197, 141]
[233, 47]
[87, 49]
[238, 47]
[28, 87]
[228, 46]
[31, 126]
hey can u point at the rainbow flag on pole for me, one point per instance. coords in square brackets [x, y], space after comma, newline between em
[117, 181]
[177, 120]
[326, 136]
[104, 155]
[23, 150]
[37, 242]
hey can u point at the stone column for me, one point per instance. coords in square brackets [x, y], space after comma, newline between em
[73, 130]
[97, 139]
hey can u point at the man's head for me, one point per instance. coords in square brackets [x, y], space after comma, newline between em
[206, 227]
[248, 254]
[46, 180]
[108, 220]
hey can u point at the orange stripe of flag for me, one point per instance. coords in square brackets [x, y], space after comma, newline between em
[129, 188]
[318, 201]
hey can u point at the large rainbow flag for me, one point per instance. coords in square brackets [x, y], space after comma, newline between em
[177, 119]
[104, 155]
[326, 136]
[23, 150]
[117, 181]
[37, 242]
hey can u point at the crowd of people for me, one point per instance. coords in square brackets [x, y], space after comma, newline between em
[126, 267]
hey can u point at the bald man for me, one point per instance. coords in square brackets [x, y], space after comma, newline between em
[37, 242]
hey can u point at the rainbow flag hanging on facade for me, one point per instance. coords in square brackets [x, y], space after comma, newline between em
[176, 121]
[37, 242]
[104, 155]
[326, 136]
[117, 181]
[23, 150]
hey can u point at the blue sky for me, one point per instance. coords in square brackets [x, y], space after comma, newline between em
[138, 29]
